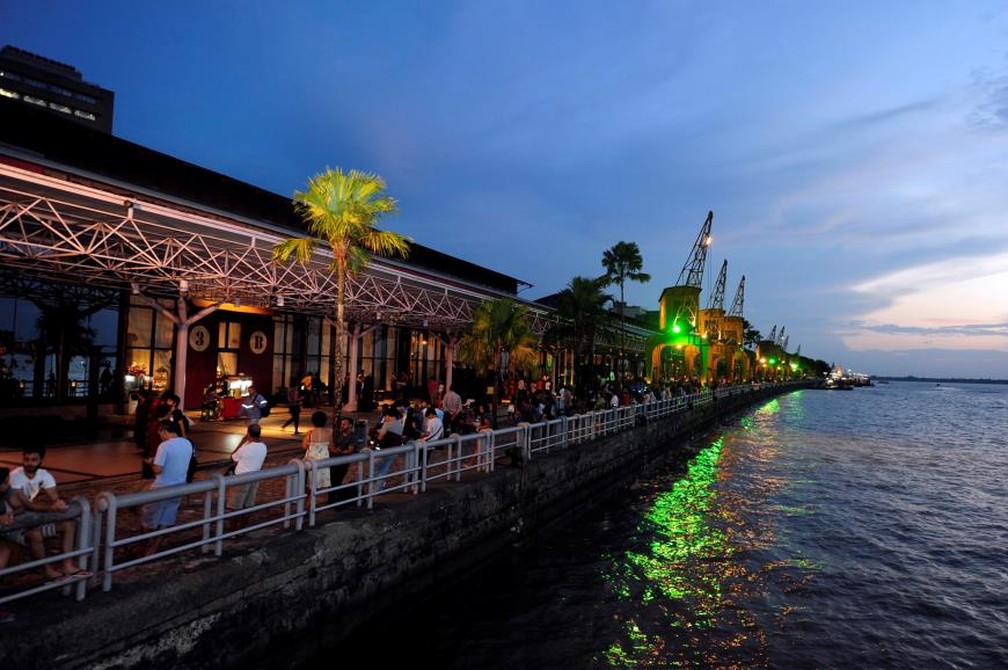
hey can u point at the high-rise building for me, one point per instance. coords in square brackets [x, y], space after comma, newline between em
[57, 87]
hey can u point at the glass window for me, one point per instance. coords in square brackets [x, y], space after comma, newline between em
[9, 94]
[229, 335]
[35, 101]
[84, 115]
[314, 336]
[227, 363]
[162, 369]
[139, 327]
[164, 333]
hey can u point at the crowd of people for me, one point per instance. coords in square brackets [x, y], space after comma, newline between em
[33, 512]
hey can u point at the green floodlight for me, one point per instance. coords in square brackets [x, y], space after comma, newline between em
[773, 361]
[675, 327]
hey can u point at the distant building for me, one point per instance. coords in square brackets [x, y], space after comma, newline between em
[56, 87]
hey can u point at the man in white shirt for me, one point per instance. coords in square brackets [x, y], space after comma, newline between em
[43, 507]
[248, 457]
[433, 428]
[31, 478]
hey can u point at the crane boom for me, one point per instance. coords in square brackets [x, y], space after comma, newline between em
[717, 295]
[692, 271]
[736, 306]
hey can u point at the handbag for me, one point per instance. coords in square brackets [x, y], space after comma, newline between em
[193, 464]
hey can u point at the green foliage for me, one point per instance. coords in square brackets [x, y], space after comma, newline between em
[342, 211]
[498, 327]
[623, 262]
[750, 336]
[583, 316]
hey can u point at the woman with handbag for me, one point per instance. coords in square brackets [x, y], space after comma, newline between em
[316, 442]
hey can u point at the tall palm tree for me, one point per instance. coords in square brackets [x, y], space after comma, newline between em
[623, 262]
[341, 209]
[750, 335]
[583, 321]
[499, 328]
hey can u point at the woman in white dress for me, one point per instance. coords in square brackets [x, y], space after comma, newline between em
[316, 442]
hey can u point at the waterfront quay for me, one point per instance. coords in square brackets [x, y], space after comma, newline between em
[309, 582]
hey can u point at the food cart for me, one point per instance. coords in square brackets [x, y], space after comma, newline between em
[237, 389]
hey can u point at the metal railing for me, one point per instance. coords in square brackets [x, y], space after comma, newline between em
[294, 495]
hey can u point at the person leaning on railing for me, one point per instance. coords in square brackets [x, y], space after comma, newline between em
[170, 465]
[341, 445]
[248, 457]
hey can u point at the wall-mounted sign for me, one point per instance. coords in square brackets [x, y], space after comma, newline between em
[199, 338]
[258, 342]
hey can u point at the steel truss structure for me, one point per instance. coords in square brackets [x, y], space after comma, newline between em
[69, 229]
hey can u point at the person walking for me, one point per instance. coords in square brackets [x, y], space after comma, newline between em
[294, 407]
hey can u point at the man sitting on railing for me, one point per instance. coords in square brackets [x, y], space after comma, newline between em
[433, 426]
[30, 520]
[170, 465]
[390, 434]
[342, 444]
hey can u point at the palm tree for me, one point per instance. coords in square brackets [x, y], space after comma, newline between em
[622, 262]
[750, 336]
[342, 210]
[499, 328]
[583, 319]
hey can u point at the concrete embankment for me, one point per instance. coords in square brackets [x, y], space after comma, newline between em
[301, 591]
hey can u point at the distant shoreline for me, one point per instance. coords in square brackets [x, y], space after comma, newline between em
[950, 380]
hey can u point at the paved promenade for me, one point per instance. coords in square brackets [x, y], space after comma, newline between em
[88, 468]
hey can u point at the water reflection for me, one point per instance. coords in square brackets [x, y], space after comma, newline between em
[697, 560]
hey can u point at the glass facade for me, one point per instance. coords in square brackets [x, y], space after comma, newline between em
[52, 349]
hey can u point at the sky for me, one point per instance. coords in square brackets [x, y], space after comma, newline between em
[853, 153]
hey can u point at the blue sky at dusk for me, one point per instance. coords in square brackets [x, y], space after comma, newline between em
[854, 154]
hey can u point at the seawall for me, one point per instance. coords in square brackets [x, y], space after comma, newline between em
[301, 591]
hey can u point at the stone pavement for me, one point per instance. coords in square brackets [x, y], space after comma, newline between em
[113, 464]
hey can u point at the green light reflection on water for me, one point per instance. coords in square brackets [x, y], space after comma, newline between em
[689, 562]
[678, 521]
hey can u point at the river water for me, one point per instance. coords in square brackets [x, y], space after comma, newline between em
[823, 529]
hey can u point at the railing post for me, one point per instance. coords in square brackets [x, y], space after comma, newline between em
[107, 503]
[221, 510]
[313, 488]
[84, 540]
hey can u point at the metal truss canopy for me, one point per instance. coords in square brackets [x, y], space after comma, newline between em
[56, 228]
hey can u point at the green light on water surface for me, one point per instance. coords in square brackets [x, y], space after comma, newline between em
[683, 538]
